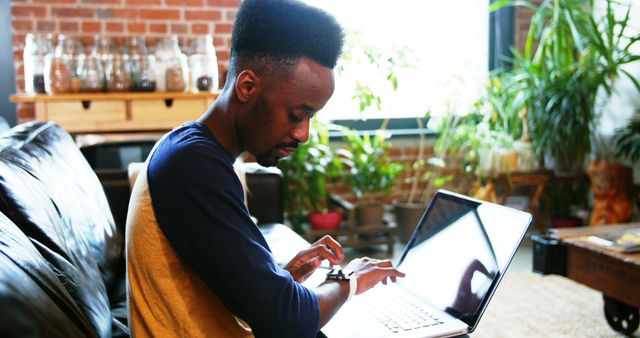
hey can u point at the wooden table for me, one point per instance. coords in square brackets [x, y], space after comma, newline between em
[615, 274]
[537, 179]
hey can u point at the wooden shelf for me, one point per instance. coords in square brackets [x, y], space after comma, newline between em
[118, 112]
[24, 98]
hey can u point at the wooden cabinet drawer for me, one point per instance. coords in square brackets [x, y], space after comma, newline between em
[86, 115]
[118, 112]
[170, 111]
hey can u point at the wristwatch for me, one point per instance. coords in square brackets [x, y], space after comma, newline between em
[345, 275]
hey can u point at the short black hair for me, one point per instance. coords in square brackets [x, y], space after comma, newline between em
[283, 31]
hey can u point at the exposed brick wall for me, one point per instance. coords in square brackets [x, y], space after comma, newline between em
[120, 19]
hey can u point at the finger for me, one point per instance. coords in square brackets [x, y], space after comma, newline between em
[390, 271]
[333, 245]
[321, 240]
[394, 279]
[312, 252]
[325, 253]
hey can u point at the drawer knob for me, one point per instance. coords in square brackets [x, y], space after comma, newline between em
[168, 102]
[86, 104]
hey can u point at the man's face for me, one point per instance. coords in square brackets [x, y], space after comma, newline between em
[281, 117]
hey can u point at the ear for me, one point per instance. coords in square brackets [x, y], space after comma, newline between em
[247, 85]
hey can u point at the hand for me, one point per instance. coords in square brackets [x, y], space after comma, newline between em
[372, 271]
[308, 260]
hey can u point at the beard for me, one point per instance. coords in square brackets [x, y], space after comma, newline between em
[267, 159]
[271, 157]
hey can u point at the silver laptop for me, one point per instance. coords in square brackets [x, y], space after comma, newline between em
[454, 261]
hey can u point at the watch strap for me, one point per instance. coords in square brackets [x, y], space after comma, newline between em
[345, 275]
[353, 286]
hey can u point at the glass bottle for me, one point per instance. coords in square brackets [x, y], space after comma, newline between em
[164, 50]
[172, 70]
[203, 64]
[145, 80]
[142, 65]
[37, 46]
[77, 60]
[118, 73]
[104, 49]
[91, 71]
[57, 67]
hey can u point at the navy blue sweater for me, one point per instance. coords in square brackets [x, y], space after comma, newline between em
[198, 202]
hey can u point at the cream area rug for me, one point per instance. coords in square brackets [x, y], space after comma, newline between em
[531, 305]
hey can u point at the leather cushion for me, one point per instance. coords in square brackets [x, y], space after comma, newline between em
[50, 192]
[33, 302]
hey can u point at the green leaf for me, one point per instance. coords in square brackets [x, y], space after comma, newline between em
[632, 78]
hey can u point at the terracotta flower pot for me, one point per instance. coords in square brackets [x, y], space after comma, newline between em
[330, 220]
[369, 213]
[407, 218]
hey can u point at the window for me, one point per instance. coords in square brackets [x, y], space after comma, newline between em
[445, 44]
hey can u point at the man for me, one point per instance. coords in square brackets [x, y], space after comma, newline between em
[197, 265]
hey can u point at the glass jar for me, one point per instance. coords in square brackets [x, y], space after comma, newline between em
[77, 60]
[203, 65]
[142, 65]
[118, 73]
[177, 74]
[164, 50]
[58, 67]
[36, 48]
[104, 49]
[145, 78]
[172, 69]
[91, 72]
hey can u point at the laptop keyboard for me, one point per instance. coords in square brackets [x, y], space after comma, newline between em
[396, 311]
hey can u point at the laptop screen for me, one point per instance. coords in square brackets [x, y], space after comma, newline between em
[459, 252]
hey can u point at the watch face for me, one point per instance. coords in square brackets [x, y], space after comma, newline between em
[340, 274]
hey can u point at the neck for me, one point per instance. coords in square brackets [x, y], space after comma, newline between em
[220, 118]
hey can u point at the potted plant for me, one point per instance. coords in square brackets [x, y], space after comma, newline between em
[306, 174]
[370, 173]
[569, 56]
[409, 209]
[481, 142]
[484, 138]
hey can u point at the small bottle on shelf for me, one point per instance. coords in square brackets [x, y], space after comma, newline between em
[203, 64]
[118, 73]
[91, 71]
[172, 70]
[58, 67]
[142, 65]
[37, 46]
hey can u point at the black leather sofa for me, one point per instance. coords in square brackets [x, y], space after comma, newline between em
[62, 269]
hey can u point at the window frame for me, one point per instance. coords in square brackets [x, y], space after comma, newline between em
[501, 41]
